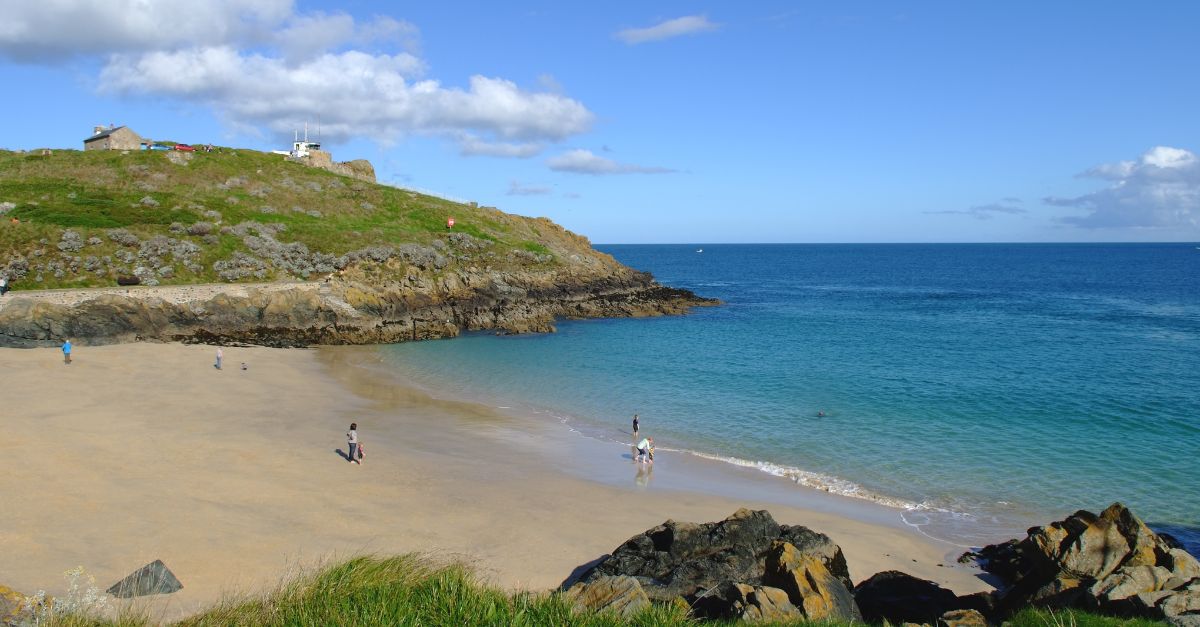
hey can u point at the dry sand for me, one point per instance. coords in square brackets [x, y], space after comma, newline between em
[236, 478]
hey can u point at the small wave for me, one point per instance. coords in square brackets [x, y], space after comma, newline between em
[814, 480]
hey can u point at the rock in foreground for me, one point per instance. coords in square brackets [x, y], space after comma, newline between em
[1111, 562]
[746, 566]
[153, 578]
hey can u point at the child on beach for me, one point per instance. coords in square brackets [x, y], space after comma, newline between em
[645, 450]
[352, 443]
[67, 351]
[635, 425]
[220, 356]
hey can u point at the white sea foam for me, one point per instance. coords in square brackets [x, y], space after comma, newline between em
[809, 479]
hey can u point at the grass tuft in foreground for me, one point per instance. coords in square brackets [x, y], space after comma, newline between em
[408, 590]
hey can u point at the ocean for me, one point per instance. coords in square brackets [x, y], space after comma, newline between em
[977, 388]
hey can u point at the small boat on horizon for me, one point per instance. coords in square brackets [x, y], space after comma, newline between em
[700, 250]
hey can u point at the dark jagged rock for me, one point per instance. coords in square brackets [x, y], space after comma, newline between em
[729, 600]
[901, 598]
[1111, 562]
[679, 559]
[153, 578]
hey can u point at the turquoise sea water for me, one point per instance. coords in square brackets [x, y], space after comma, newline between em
[980, 388]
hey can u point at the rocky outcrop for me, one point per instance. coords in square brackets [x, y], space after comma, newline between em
[738, 601]
[13, 609]
[746, 566]
[417, 305]
[1111, 562]
[621, 595]
[153, 578]
[810, 586]
[901, 598]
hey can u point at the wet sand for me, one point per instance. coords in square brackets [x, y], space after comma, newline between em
[237, 478]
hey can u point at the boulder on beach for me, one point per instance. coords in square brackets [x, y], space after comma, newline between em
[1111, 562]
[901, 598]
[622, 595]
[153, 578]
[730, 600]
[682, 559]
[818, 593]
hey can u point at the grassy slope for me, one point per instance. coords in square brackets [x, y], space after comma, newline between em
[408, 590]
[91, 192]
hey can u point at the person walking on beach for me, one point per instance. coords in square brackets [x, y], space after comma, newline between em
[3, 285]
[635, 426]
[67, 351]
[220, 356]
[352, 443]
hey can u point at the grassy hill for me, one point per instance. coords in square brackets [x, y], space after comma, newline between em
[86, 218]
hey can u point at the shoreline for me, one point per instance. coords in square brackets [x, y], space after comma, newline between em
[138, 452]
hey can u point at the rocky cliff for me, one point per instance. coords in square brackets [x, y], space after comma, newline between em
[345, 308]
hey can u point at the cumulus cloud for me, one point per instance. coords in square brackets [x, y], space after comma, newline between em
[516, 188]
[260, 64]
[1159, 190]
[584, 162]
[687, 25]
[50, 31]
[985, 212]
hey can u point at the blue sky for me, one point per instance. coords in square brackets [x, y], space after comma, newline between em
[669, 121]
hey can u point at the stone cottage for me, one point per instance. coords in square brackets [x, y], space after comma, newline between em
[113, 138]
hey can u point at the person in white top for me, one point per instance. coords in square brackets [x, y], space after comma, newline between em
[645, 450]
[3, 285]
[220, 356]
[352, 443]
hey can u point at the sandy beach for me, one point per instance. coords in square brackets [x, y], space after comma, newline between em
[235, 478]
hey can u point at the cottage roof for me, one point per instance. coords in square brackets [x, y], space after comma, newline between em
[103, 134]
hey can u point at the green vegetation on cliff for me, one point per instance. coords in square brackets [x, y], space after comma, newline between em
[86, 218]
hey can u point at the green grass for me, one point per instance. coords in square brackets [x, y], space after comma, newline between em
[408, 590]
[1074, 618]
[94, 191]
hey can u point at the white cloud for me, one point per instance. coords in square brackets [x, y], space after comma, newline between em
[261, 64]
[1160, 190]
[53, 30]
[584, 162]
[985, 212]
[516, 188]
[355, 93]
[687, 25]
[471, 146]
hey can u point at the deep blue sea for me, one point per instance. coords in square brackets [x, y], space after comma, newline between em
[979, 388]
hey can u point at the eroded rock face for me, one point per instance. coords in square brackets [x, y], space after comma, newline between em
[680, 559]
[622, 595]
[1111, 562]
[738, 601]
[341, 312]
[810, 586]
